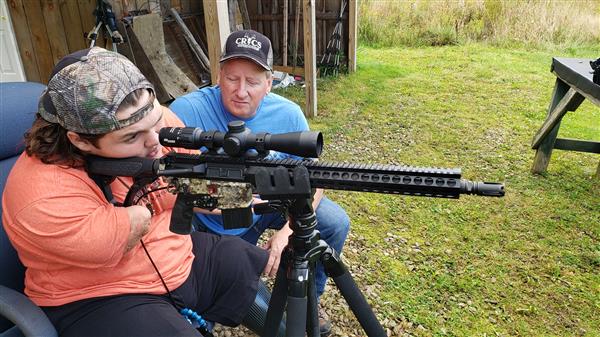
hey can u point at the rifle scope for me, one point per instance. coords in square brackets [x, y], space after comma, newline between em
[239, 139]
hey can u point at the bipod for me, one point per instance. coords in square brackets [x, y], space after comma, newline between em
[295, 282]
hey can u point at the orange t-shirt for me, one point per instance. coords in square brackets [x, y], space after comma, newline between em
[72, 241]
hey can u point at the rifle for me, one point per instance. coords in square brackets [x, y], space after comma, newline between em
[228, 180]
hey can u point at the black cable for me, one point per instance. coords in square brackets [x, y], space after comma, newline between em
[159, 276]
[162, 280]
[148, 192]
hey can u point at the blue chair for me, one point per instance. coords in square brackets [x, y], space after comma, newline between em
[19, 316]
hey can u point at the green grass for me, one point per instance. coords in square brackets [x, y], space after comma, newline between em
[526, 264]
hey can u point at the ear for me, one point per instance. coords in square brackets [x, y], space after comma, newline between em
[269, 82]
[80, 143]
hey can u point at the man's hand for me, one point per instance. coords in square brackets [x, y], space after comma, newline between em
[275, 246]
[139, 219]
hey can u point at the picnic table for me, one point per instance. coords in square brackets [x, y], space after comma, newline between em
[573, 85]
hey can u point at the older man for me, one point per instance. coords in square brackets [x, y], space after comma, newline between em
[244, 93]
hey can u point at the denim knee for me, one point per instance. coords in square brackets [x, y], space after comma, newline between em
[333, 223]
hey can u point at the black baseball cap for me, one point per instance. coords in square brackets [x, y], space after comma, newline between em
[250, 45]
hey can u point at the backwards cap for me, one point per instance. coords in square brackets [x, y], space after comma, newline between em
[87, 87]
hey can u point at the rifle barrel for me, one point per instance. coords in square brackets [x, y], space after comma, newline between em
[377, 178]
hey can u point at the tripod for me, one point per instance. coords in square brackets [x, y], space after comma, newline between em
[295, 284]
[105, 17]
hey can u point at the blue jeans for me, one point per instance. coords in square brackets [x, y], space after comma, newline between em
[332, 222]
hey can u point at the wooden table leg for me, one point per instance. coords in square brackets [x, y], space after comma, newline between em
[544, 147]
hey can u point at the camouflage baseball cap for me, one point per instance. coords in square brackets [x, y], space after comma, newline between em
[87, 87]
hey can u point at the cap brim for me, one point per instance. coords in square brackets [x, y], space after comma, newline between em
[245, 56]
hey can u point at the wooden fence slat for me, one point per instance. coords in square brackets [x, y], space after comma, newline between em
[352, 34]
[174, 4]
[186, 6]
[275, 29]
[41, 45]
[23, 37]
[310, 62]
[88, 21]
[216, 20]
[72, 23]
[189, 37]
[285, 32]
[244, 13]
[56, 30]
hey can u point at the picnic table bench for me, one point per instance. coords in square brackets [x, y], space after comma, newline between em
[573, 85]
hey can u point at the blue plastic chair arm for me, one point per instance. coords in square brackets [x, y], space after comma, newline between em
[28, 317]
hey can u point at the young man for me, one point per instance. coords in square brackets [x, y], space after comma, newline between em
[101, 270]
[243, 93]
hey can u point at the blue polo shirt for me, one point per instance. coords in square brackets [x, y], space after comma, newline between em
[204, 109]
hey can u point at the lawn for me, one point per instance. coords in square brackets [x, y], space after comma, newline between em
[526, 264]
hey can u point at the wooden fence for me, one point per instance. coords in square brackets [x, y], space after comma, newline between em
[47, 30]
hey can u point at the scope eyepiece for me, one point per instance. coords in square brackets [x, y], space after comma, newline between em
[239, 139]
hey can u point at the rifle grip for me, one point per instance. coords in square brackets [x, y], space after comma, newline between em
[181, 216]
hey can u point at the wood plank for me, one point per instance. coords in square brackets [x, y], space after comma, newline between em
[231, 5]
[296, 41]
[186, 6]
[578, 145]
[327, 16]
[41, 45]
[55, 29]
[149, 33]
[175, 4]
[23, 37]
[142, 61]
[189, 37]
[259, 10]
[321, 30]
[88, 21]
[216, 19]
[570, 98]
[118, 9]
[196, 7]
[194, 23]
[275, 30]
[179, 51]
[310, 58]
[72, 23]
[244, 12]
[544, 152]
[584, 94]
[352, 35]
[290, 70]
[285, 32]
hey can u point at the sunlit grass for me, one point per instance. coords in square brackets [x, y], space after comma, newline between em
[527, 264]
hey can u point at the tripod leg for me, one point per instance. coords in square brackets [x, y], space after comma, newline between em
[351, 293]
[297, 299]
[276, 304]
[312, 314]
[93, 35]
